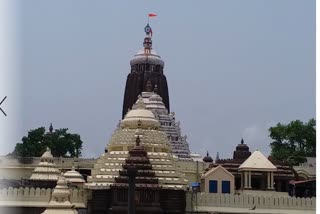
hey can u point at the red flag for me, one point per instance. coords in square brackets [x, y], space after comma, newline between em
[152, 14]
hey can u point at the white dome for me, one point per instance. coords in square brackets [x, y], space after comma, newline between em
[139, 117]
[142, 57]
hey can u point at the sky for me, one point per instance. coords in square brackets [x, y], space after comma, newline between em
[234, 68]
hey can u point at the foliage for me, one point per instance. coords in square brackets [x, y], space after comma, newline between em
[293, 142]
[59, 141]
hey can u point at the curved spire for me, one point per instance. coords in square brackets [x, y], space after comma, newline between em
[242, 141]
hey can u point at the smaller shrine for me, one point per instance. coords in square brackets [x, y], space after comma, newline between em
[60, 199]
[46, 174]
[207, 160]
[74, 178]
[257, 172]
[217, 180]
[242, 151]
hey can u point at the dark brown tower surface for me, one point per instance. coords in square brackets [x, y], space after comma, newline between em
[146, 65]
[242, 151]
[147, 188]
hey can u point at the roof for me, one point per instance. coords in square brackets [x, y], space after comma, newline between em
[300, 182]
[258, 162]
[215, 169]
[139, 116]
[60, 202]
[47, 154]
[74, 176]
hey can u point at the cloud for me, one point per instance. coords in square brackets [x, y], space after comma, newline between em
[257, 138]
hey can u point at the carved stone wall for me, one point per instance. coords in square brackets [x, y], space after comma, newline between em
[204, 201]
[36, 197]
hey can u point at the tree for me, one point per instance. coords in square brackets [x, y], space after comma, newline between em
[293, 142]
[59, 141]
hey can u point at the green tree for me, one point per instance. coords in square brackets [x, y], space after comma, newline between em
[293, 142]
[59, 141]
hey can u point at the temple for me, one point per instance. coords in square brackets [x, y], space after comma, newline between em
[158, 180]
[145, 65]
[147, 168]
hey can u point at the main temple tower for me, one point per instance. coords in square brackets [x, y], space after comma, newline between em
[146, 65]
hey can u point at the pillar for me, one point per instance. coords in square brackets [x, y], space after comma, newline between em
[249, 185]
[268, 181]
[132, 172]
[271, 174]
[242, 182]
[245, 180]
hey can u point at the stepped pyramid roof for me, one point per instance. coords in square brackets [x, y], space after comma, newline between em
[258, 162]
[60, 199]
[46, 169]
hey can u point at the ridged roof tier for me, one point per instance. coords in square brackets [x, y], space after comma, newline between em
[258, 162]
[46, 169]
[178, 143]
[143, 57]
[60, 199]
[154, 142]
[74, 176]
[145, 177]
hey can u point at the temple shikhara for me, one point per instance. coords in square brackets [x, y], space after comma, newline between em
[147, 166]
[146, 66]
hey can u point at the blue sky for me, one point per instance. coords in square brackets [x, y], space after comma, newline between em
[234, 68]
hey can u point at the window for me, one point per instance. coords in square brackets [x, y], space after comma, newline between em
[158, 68]
[225, 186]
[213, 186]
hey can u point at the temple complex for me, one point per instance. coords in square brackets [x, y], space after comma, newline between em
[145, 65]
[146, 166]
[151, 157]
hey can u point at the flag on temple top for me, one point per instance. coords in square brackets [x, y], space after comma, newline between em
[152, 14]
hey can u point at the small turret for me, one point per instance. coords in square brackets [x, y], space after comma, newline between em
[207, 159]
[242, 151]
